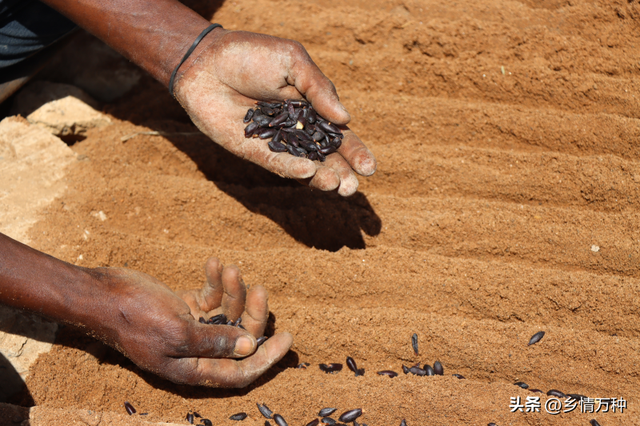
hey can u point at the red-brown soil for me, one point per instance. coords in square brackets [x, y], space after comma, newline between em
[507, 139]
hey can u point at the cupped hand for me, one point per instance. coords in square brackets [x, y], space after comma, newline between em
[236, 69]
[160, 331]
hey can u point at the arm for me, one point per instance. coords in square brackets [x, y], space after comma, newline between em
[223, 77]
[145, 320]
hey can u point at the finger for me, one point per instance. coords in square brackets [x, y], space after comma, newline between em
[256, 312]
[357, 154]
[235, 293]
[317, 88]
[342, 169]
[325, 179]
[230, 373]
[211, 294]
[216, 341]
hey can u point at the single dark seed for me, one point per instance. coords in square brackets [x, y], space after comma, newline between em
[264, 410]
[202, 320]
[247, 118]
[331, 368]
[260, 340]
[491, 424]
[262, 120]
[206, 422]
[238, 416]
[535, 390]
[190, 418]
[279, 420]
[403, 422]
[277, 147]
[351, 363]
[303, 365]
[536, 338]
[313, 422]
[328, 421]
[279, 119]
[336, 142]
[326, 412]
[297, 103]
[129, 408]
[351, 415]
[458, 376]
[418, 371]
[594, 422]
[523, 385]
[430, 371]
[414, 343]
[268, 111]
[266, 423]
[144, 414]
[437, 368]
[328, 150]
[195, 414]
[267, 133]
[360, 372]
[387, 373]
[554, 392]
[405, 369]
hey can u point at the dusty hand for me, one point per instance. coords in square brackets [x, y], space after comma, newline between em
[159, 330]
[236, 69]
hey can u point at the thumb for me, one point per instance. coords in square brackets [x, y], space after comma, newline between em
[318, 90]
[219, 341]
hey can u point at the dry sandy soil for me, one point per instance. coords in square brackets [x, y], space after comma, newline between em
[506, 202]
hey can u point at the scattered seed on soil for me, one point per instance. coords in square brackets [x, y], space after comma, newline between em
[280, 420]
[295, 127]
[387, 373]
[238, 416]
[360, 372]
[266, 423]
[206, 422]
[536, 338]
[313, 422]
[523, 385]
[491, 424]
[190, 418]
[536, 390]
[554, 392]
[331, 368]
[403, 422]
[264, 410]
[328, 421]
[351, 415]
[303, 365]
[594, 422]
[195, 414]
[326, 412]
[405, 369]
[429, 370]
[458, 376]
[129, 408]
[414, 343]
[437, 368]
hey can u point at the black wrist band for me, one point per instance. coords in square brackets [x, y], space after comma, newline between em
[189, 52]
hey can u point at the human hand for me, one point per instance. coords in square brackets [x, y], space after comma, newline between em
[235, 69]
[159, 329]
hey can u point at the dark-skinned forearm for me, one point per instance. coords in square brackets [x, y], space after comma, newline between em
[154, 34]
[42, 284]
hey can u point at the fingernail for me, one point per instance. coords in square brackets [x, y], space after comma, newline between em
[244, 346]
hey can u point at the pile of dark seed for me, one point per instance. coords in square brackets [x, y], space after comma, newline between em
[295, 127]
